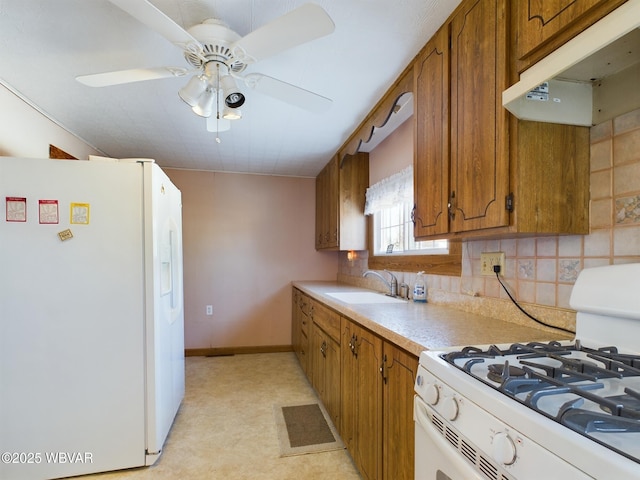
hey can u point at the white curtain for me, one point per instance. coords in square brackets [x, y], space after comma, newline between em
[390, 191]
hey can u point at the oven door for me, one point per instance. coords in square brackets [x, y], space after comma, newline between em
[435, 458]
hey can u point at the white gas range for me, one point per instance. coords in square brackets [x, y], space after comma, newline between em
[557, 410]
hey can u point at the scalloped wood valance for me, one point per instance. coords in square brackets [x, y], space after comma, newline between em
[379, 115]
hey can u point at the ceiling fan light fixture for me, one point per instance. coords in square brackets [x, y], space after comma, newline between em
[193, 90]
[231, 113]
[204, 107]
[233, 98]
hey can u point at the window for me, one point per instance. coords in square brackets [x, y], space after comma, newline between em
[390, 202]
[398, 189]
[393, 234]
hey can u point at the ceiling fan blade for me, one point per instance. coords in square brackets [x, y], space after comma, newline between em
[299, 26]
[218, 125]
[155, 19]
[129, 76]
[287, 93]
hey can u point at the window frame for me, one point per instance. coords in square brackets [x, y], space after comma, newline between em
[438, 264]
[407, 235]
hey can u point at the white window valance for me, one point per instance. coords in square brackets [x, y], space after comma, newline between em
[390, 191]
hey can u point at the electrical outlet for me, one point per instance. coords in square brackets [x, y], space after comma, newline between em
[489, 259]
[209, 309]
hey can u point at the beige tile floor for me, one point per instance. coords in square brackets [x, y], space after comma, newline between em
[225, 428]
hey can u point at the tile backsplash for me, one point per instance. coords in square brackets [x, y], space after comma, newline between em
[540, 271]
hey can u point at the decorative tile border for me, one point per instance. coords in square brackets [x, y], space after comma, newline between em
[628, 210]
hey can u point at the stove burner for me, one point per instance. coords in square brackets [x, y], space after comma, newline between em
[496, 372]
[570, 384]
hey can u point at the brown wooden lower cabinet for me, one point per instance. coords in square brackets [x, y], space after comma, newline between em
[300, 328]
[325, 357]
[399, 369]
[366, 384]
[362, 398]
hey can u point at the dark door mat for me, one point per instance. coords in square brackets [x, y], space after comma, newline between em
[305, 429]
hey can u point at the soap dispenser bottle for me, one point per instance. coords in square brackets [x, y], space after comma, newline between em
[420, 289]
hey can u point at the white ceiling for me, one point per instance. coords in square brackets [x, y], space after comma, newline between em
[45, 44]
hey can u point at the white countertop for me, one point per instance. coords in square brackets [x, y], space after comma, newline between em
[422, 326]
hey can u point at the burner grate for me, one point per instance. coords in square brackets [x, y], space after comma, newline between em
[550, 374]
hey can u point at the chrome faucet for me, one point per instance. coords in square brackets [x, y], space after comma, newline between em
[393, 284]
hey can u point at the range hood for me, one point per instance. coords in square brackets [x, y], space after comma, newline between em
[592, 78]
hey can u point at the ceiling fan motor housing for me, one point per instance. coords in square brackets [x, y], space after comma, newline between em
[216, 39]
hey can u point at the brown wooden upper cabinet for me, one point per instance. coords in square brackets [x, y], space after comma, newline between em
[461, 147]
[477, 170]
[340, 196]
[431, 139]
[541, 26]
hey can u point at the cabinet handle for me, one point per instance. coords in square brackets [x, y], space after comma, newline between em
[452, 205]
[383, 369]
[413, 215]
[352, 345]
[323, 349]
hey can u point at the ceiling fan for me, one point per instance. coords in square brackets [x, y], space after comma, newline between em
[217, 57]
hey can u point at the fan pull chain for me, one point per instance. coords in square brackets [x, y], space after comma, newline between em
[218, 103]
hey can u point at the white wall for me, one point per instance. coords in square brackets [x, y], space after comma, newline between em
[27, 133]
[246, 237]
[393, 154]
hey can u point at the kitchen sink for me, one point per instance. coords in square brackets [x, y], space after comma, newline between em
[364, 297]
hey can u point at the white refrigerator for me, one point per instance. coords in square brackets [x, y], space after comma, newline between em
[91, 315]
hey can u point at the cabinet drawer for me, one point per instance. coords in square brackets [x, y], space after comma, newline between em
[327, 320]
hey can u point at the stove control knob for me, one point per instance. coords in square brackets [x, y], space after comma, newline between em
[504, 450]
[450, 408]
[431, 393]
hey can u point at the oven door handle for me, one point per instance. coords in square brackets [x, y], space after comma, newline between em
[454, 457]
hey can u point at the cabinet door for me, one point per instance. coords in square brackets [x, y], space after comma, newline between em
[332, 364]
[305, 329]
[369, 405]
[362, 398]
[296, 327]
[353, 179]
[541, 26]
[326, 359]
[303, 356]
[479, 127]
[327, 206]
[318, 374]
[398, 445]
[332, 234]
[431, 140]
[348, 388]
[322, 213]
